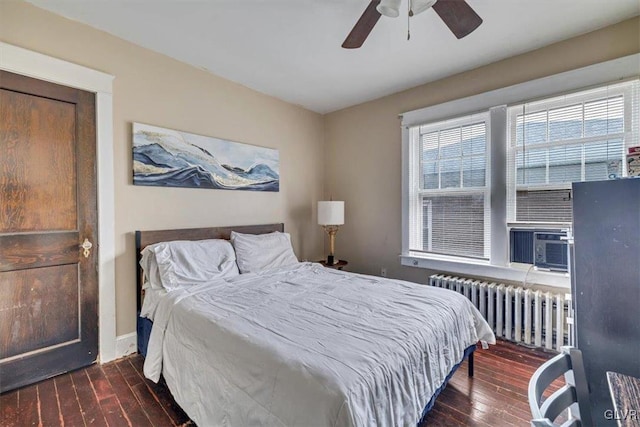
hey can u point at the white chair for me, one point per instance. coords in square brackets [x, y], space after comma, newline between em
[574, 395]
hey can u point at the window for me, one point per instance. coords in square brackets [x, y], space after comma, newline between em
[468, 179]
[450, 192]
[557, 141]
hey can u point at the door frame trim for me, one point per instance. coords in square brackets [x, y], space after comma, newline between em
[33, 64]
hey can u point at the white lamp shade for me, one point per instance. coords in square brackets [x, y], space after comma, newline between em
[390, 8]
[330, 213]
[419, 6]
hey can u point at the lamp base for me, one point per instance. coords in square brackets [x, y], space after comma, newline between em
[330, 260]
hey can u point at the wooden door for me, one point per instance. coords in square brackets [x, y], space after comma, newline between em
[48, 288]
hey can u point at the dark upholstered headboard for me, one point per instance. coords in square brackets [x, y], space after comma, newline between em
[145, 238]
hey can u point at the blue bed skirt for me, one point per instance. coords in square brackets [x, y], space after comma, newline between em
[144, 331]
[467, 352]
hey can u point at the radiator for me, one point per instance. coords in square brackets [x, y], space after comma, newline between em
[523, 315]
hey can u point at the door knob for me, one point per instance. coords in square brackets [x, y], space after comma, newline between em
[86, 246]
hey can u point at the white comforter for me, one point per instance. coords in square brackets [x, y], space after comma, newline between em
[309, 346]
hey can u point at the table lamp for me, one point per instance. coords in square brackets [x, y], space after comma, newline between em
[331, 217]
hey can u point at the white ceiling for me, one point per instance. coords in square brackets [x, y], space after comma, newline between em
[290, 49]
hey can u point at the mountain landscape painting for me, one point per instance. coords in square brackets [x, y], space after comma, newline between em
[170, 158]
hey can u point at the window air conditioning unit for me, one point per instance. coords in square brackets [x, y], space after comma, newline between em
[546, 249]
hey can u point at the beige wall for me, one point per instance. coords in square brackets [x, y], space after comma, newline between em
[151, 88]
[364, 146]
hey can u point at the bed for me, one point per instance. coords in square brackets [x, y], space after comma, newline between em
[303, 345]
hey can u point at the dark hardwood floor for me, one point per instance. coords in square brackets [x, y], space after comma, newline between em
[117, 394]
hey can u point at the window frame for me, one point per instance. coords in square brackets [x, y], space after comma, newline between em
[418, 192]
[583, 96]
[498, 267]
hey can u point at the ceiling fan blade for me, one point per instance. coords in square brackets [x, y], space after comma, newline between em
[363, 27]
[458, 16]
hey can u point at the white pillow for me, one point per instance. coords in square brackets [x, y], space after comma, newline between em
[255, 252]
[183, 262]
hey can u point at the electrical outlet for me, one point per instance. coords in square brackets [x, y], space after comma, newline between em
[383, 272]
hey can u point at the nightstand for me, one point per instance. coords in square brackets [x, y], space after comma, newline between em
[338, 265]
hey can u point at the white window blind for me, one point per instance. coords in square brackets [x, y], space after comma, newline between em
[544, 206]
[553, 142]
[449, 193]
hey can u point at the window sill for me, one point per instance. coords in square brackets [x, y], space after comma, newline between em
[479, 268]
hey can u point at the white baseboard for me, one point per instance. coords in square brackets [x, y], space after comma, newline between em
[126, 344]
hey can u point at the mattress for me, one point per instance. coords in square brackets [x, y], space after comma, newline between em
[309, 346]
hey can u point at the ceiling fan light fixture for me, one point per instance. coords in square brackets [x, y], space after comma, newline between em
[390, 8]
[419, 6]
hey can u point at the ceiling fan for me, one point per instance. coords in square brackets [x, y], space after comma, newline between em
[456, 14]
